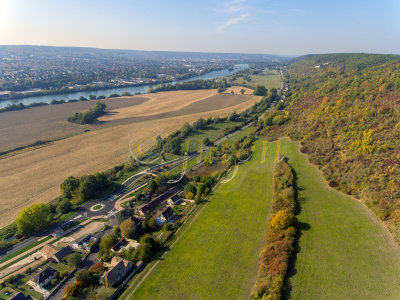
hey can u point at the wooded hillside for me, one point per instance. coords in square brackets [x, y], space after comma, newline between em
[345, 109]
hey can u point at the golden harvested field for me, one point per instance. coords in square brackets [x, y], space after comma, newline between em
[24, 127]
[164, 105]
[34, 176]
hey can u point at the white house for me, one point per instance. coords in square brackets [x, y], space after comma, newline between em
[41, 279]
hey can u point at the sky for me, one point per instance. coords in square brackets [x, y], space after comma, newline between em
[285, 27]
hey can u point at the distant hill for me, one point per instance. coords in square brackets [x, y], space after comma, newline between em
[345, 109]
[79, 52]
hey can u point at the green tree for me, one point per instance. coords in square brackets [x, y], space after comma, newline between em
[117, 230]
[143, 252]
[190, 188]
[233, 116]
[152, 186]
[63, 206]
[33, 219]
[260, 90]
[69, 186]
[107, 242]
[74, 259]
[125, 93]
[86, 278]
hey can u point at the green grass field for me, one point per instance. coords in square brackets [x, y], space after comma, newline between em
[206, 154]
[345, 253]
[213, 132]
[270, 79]
[216, 258]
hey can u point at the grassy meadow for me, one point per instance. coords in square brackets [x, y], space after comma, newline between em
[216, 258]
[270, 79]
[344, 252]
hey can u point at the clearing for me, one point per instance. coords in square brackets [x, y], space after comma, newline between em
[269, 78]
[216, 258]
[345, 252]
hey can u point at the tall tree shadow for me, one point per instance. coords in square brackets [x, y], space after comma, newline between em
[301, 227]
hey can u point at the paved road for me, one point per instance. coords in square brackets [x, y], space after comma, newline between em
[89, 261]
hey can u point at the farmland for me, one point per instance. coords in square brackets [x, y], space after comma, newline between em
[25, 176]
[50, 121]
[344, 251]
[216, 258]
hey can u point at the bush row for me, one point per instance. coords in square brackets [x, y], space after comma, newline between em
[280, 236]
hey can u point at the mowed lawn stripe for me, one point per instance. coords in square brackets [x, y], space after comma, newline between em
[345, 253]
[217, 256]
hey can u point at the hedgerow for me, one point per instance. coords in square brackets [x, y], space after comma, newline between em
[280, 237]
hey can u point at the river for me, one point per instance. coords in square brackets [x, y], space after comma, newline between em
[107, 92]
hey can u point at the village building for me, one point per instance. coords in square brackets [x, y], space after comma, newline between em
[164, 215]
[121, 244]
[18, 296]
[42, 279]
[119, 269]
[173, 200]
[54, 253]
[84, 242]
[153, 204]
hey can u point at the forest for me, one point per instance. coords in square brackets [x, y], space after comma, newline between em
[345, 110]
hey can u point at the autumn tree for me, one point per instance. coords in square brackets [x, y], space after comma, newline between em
[71, 290]
[282, 220]
[127, 228]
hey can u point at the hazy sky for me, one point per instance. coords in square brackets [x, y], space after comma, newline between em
[251, 26]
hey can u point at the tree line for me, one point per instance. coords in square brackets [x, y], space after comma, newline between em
[192, 85]
[89, 116]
